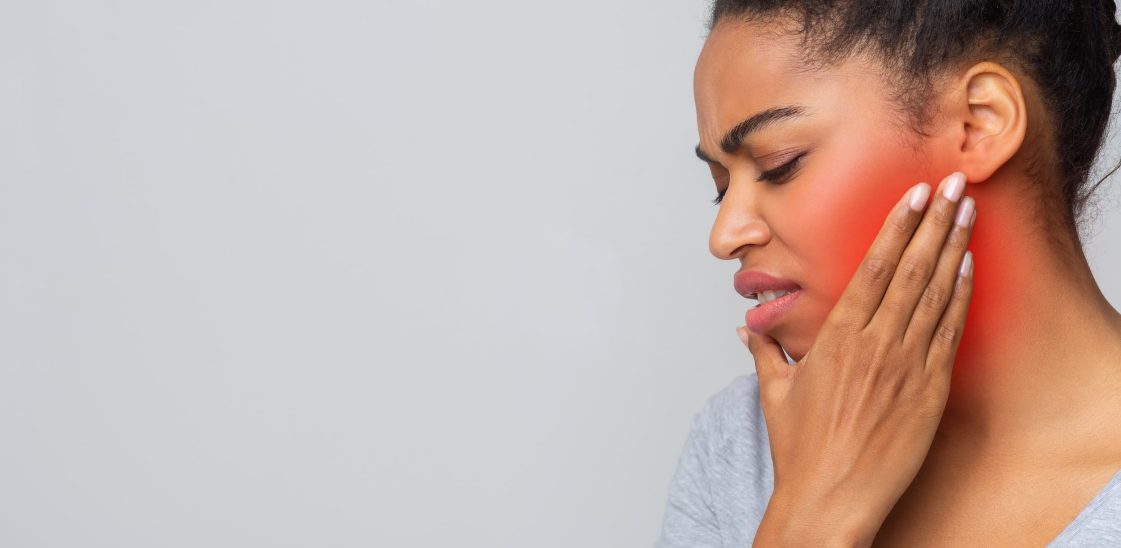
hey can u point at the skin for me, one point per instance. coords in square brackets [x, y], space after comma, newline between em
[1025, 439]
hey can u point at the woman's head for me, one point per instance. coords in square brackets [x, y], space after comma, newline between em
[875, 96]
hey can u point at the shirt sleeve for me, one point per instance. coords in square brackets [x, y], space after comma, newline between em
[689, 520]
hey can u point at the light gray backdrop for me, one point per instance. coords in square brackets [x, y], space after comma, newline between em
[333, 273]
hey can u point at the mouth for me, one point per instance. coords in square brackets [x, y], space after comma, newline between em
[765, 297]
[755, 284]
[773, 305]
[776, 296]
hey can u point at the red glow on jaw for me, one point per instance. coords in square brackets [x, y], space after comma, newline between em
[843, 216]
[847, 217]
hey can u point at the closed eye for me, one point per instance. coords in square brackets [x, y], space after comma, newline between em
[778, 175]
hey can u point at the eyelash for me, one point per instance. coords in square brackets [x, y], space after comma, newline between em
[777, 176]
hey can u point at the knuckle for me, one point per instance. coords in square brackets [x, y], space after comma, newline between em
[915, 270]
[878, 269]
[946, 334]
[934, 297]
[838, 326]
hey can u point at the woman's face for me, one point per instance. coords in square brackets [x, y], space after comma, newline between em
[857, 160]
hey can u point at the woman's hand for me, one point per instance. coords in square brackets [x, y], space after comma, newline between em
[851, 423]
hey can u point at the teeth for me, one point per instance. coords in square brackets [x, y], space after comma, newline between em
[765, 297]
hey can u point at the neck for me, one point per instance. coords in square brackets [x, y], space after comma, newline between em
[1041, 351]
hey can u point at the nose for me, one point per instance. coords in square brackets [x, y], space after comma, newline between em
[738, 223]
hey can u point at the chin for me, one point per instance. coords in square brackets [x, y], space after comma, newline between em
[796, 356]
[797, 337]
[795, 351]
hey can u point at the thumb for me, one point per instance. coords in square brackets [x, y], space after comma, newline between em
[770, 361]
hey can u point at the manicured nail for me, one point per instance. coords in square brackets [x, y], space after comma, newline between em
[919, 194]
[973, 219]
[966, 265]
[953, 186]
[965, 212]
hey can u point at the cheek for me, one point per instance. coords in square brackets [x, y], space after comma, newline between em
[841, 216]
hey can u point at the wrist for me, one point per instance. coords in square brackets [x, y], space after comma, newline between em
[790, 521]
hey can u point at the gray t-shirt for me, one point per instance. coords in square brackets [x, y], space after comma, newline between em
[724, 479]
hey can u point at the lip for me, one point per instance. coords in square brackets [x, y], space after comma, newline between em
[763, 317]
[749, 283]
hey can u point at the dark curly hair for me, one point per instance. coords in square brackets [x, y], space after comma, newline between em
[1066, 47]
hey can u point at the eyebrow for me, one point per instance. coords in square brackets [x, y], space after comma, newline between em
[735, 137]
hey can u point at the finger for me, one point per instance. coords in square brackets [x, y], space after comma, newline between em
[947, 337]
[865, 290]
[920, 257]
[770, 362]
[933, 302]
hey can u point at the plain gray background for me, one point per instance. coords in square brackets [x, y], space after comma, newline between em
[357, 273]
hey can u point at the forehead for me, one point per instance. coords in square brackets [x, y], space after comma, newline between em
[735, 49]
[745, 68]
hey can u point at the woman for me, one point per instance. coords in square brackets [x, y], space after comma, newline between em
[899, 423]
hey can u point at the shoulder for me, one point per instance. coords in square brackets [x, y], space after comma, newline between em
[724, 476]
[731, 434]
[732, 414]
[733, 430]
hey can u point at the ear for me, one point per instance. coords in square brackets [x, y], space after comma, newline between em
[993, 114]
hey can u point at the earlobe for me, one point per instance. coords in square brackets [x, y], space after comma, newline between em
[994, 119]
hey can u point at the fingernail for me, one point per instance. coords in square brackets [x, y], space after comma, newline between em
[742, 333]
[966, 265]
[953, 186]
[974, 218]
[919, 194]
[965, 212]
